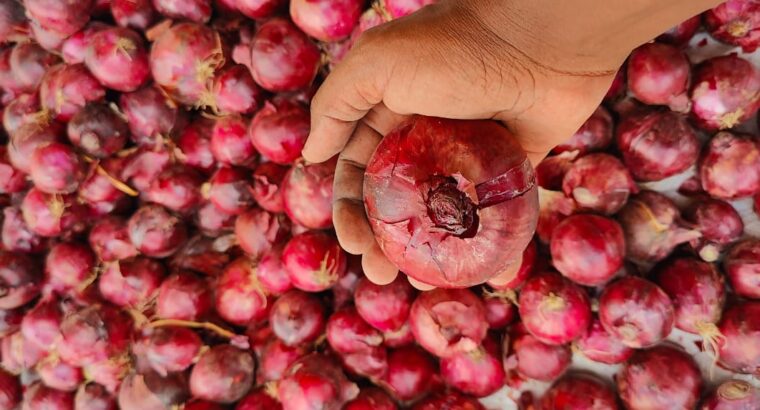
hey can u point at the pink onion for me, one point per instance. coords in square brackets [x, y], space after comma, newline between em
[326, 20]
[730, 166]
[742, 266]
[725, 92]
[658, 74]
[735, 22]
[599, 183]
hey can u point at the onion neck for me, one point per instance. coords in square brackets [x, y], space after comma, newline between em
[450, 209]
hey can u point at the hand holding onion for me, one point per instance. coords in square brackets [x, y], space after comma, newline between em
[464, 61]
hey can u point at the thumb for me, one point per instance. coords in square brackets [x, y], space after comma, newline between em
[353, 88]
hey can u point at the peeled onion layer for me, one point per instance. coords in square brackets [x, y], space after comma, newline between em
[452, 203]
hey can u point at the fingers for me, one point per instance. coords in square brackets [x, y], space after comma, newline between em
[420, 285]
[377, 268]
[347, 95]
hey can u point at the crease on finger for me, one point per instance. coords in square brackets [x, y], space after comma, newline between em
[377, 268]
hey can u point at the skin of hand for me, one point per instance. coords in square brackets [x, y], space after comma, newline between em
[447, 60]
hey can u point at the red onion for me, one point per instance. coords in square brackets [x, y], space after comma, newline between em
[132, 283]
[272, 273]
[24, 109]
[449, 401]
[682, 33]
[732, 395]
[59, 375]
[12, 28]
[599, 183]
[697, 290]
[69, 268]
[371, 398]
[18, 355]
[235, 92]
[452, 230]
[657, 144]
[553, 309]
[719, 223]
[267, 179]
[118, 59]
[203, 255]
[384, 307]
[109, 239]
[446, 321]
[276, 358]
[19, 279]
[348, 333]
[411, 373]
[658, 74]
[500, 309]
[64, 18]
[730, 166]
[75, 47]
[533, 359]
[229, 141]
[478, 372]
[740, 328]
[65, 89]
[98, 130]
[223, 374]
[258, 9]
[315, 381]
[170, 349]
[56, 169]
[279, 131]
[143, 167]
[401, 8]
[297, 317]
[594, 135]
[17, 236]
[255, 400]
[92, 396]
[183, 296]
[527, 267]
[52, 215]
[725, 92]
[735, 22]
[39, 397]
[155, 232]
[314, 261]
[136, 14]
[213, 222]
[282, 58]
[600, 346]
[662, 377]
[579, 391]
[228, 189]
[94, 334]
[198, 11]
[588, 249]
[742, 266]
[150, 115]
[28, 63]
[307, 194]
[184, 58]
[194, 145]
[150, 391]
[326, 20]
[239, 298]
[10, 391]
[27, 139]
[177, 188]
[636, 311]
[653, 227]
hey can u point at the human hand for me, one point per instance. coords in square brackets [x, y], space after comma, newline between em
[448, 61]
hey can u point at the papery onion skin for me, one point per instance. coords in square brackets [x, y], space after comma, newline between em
[740, 326]
[579, 391]
[423, 220]
[719, 223]
[725, 92]
[742, 267]
[600, 346]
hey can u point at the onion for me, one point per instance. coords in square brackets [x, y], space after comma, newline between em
[732, 395]
[28, 63]
[533, 359]
[229, 141]
[446, 321]
[658, 74]
[282, 58]
[579, 391]
[742, 266]
[297, 317]
[371, 398]
[258, 9]
[118, 59]
[223, 374]
[636, 311]
[657, 144]
[136, 14]
[62, 17]
[384, 307]
[594, 135]
[411, 373]
[600, 346]
[198, 11]
[235, 92]
[307, 194]
[730, 166]
[599, 183]
[239, 296]
[400, 8]
[149, 115]
[461, 224]
[662, 377]
[478, 372]
[65, 89]
[183, 296]
[279, 131]
[719, 223]
[735, 22]
[653, 227]
[725, 92]
[740, 328]
[315, 381]
[326, 20]
[98, 130]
